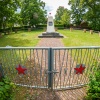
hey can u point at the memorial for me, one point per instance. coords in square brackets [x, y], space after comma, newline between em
[50, 32]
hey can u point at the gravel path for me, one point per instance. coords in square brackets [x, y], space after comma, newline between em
[74, 94]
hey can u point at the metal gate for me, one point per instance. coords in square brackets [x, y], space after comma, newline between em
[55, 68]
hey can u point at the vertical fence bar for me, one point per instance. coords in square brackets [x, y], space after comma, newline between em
[50, 68]
[1, 71]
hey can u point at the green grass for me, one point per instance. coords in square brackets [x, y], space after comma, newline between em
[74, 38]
[21, 39]
[79, 38]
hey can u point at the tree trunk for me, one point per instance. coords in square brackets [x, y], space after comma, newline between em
[8, 31]
[0, 34]
[15, 30]
[71, 29]
[29, 29]
[11, 29]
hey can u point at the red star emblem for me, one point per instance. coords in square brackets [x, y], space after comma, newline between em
[80, 69]
[20, 69]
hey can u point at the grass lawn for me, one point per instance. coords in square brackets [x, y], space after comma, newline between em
[21, 39]
[79, 38]
[74, 38]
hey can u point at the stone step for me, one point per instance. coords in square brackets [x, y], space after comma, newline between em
[51, 35]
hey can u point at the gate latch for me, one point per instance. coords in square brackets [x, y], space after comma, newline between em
[53, 71]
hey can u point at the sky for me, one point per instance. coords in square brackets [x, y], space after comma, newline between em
[52, 5]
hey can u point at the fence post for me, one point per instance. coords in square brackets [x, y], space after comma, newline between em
[50, 68]
[1, 71]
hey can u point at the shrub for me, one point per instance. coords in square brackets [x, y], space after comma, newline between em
[16, 28]
[94, 84]
[1, 30]
[6, 89]
[59, 26]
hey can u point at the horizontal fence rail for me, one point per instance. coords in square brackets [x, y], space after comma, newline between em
[44, 67]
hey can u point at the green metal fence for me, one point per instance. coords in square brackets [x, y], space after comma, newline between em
[74, 65]
[55, 68]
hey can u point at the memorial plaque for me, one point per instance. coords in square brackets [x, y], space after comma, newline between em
[50, 23]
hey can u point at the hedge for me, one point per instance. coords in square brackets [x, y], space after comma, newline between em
[56, 25]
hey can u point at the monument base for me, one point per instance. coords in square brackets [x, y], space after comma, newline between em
[51, 35]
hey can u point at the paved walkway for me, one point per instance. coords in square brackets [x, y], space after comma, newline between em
[75, 94]
[50, 42]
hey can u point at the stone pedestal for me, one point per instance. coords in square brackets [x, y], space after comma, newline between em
[91, 31]
[99, 34]
[84, 30]
[51, 35]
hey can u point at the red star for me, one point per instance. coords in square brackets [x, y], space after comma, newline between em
[80, 69]
[20, 69]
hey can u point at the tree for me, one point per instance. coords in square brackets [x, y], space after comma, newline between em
[86, 10]
[62, 16]
[77, 12]
[14, 20]
[7, 9]
[93, 13]
[32, 12]
[59, 13]
[65, 18]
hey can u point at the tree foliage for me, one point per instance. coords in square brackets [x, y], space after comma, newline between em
[93, 13]
[59, 13]
[62, 16]
[86, 10]
[32, 12]
[77, 11]
[7, 9]
[14, 21]
[65, 18]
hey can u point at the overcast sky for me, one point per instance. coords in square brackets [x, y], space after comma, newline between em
[52, 5]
